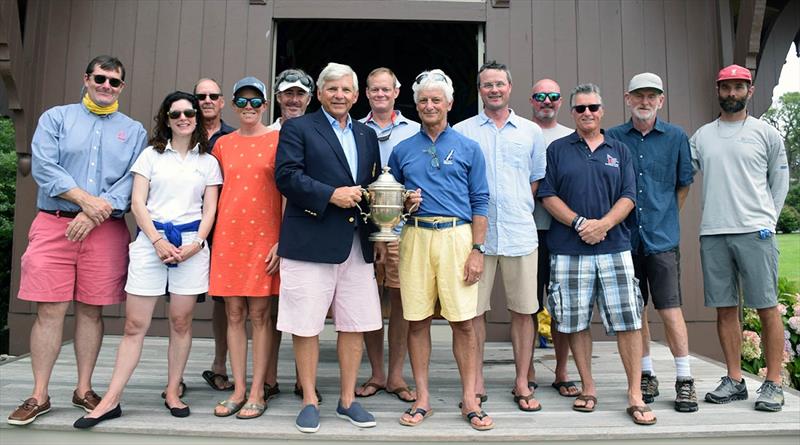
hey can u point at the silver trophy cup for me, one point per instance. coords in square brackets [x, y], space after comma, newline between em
[386, 198]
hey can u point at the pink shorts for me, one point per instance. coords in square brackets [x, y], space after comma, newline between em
[92, 271]
[309, 289]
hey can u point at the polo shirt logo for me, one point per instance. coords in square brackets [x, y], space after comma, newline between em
[448, 160]
[612, 161]
[121, 136]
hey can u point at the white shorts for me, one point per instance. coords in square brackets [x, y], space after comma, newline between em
[148, 276]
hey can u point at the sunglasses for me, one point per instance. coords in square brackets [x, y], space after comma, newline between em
[189, 113]
[580, 109]
[101, 79]
[202, 97]
[255, 102]
[385, 137]
[293, 76]
[434, 76]
[434, 157]
[541, 97]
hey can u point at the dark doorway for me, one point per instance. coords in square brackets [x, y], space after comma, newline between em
[407, 48]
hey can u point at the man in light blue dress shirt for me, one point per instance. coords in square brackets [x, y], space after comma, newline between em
[514, 149]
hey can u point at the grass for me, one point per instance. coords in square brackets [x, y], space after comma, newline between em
[789, 260]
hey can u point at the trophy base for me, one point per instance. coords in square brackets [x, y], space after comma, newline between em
[384, 237]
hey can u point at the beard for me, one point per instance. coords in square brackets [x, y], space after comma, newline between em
[644, 115]
[545, 113]
[731, 105]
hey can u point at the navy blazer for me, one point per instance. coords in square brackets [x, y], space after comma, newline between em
[310, 164]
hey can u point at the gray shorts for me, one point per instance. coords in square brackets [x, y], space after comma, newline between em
[731, 261]
[659, 275]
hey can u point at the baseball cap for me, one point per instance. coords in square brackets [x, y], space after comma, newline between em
[252, 82]
[645, 80]
[734, 72]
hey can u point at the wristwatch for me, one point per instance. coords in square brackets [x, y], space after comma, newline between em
[480, 248]
[200, 241]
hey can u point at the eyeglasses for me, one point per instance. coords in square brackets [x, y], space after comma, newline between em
[435, 76]
[434, 157]
[101, 79]
[189, 113]
[255, 102]
[541, 97]
[580, 109]
[490, 85]
[202, 97]
[294, 76]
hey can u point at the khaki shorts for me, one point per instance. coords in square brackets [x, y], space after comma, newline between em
[519, 281]
[432, 268]
[388, 273]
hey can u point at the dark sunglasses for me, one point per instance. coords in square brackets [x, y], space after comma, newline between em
[189, 113]
[580, 109]
[101, 79]
[435, 76]
[255, 102]
[541, 97]
[202, 97]
[385, 137]
[293, 76]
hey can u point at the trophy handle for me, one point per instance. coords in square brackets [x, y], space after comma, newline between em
[412, 209]
[365, 216]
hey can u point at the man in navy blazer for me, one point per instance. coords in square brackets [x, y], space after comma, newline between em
[324, 159]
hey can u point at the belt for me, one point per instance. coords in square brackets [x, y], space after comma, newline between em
[448, 223]
[60, 213]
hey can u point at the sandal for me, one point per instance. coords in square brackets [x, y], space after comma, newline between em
[271, 391]
[378, 388]
[585, 399]
[565, 385]
[632, 410]
[231, 406]
[257, 407]
[413, 412]
[398, 391]
[298, 391]
[527, 398]
[480, 415]
[482, 397]
[181, 391]
[213, 379]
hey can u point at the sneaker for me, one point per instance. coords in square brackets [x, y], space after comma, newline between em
[727, 391]
[770, 397]
[308, 419]
[28, 411]
[686, 397]
[649, 387]
[356, 414]
[89, 401]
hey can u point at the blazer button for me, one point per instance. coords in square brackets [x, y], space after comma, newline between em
[351, 219]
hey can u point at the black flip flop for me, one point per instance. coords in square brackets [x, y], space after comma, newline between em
[210, 377]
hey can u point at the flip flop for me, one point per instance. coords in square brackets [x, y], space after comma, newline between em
[231, 406]
[211, 378]
[299, 393]
[632, 410]
[270, 391]
[414, 412]
[566, 385]
[399, 391]
[586, 400]
[480, 415]
[257, 407]
[482, 397]
[181, 391]
[533, 385]
[368, 384]
[527, 398]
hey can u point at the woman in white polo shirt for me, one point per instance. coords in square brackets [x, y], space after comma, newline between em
[175, 189]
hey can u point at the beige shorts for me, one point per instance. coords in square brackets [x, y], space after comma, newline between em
[519, 281]
[388, 273]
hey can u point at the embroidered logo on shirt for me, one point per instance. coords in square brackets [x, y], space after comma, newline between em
[122, 136]
[448, 160]
[612, 161]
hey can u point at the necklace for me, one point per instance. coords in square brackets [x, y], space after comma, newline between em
[739, 129]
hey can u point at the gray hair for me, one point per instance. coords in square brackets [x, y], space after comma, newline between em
[433, 79]
[585, 88]
[335, 71]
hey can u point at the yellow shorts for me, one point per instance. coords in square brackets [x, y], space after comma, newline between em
[431, 268]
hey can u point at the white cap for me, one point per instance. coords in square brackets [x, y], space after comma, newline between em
[645, 80]
[285, 85]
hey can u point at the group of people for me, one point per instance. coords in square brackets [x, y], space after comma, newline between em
[266, 220]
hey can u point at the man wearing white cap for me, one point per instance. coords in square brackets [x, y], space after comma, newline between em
[662, 160]
[293, 88]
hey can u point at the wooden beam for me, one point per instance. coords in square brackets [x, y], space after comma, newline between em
[748, 33]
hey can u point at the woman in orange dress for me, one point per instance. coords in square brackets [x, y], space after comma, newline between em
[244, 261]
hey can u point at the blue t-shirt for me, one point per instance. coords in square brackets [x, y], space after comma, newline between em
[663, 163]
[453, 182]
[589, 183]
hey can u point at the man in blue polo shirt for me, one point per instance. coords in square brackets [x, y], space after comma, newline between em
[663, 164]
[441, 251]
[590, 189]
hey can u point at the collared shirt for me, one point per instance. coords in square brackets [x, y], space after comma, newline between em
[515, 158]
[589, 183]
[177, 184]
[540, 215]
[223, 130]
[457, 187]
[73, 147]
[275, 125]
[663, 164]
[348, 141]
[399, 130]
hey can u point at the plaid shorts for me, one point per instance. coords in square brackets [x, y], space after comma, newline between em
[576, 281]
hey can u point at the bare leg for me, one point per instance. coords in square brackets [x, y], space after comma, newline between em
[181, 308]
[629, 344]
[46, 335]
[531, 369]
[306, 355]
[349, 348]
[479, 329]
[374, 343]
[272, 364]
[419, 352]
[581, 345]
[219, 324]
[258, 308]
[646, 334]
[522, 344]
[772, 341]
[465, 351]
[398, 347]
[561, 346]
[675, 328]
[730, 338]
[88, 338]
[236, 309]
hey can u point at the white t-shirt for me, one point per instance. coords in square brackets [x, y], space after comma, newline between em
[540, 215]
[177, 185]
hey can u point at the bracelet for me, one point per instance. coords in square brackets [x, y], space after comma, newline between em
[157, 240]
[578, 222]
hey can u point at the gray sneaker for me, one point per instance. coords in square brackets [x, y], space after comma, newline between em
[649, 387]
[770, 397]
[727, 391]
[686, 397]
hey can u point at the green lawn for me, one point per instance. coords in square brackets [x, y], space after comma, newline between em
[789, 260]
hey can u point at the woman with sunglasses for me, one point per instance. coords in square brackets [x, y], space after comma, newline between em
[174, 199]
[244, 264]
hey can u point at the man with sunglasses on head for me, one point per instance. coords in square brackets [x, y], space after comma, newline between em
[441, 249]
[663, 164]
[589, 189]
[745, 182]
[546, 101]
[514, 150]
[392, 127]
[78, 245]
[293, 89]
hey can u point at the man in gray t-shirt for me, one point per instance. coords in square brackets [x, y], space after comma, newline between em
[745, 181]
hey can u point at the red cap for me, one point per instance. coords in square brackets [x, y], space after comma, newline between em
[734, 72]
